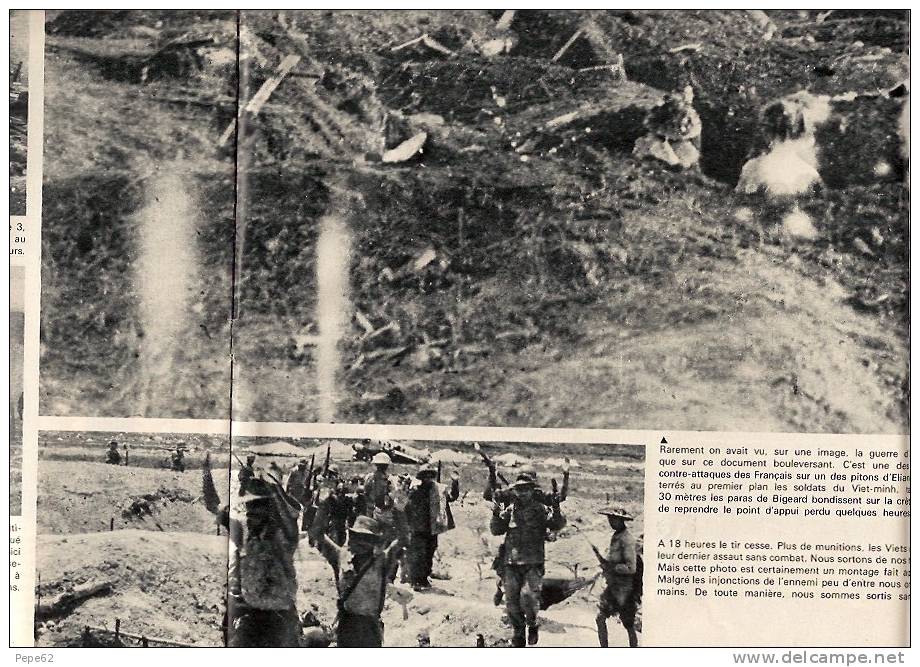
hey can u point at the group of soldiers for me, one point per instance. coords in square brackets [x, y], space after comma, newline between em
[372, 528]
[176, 460]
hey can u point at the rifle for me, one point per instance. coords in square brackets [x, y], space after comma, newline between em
[560, 495]
[326, 463]
[485, 457]
[308, 483]
[599, 555]
[439, 472]
[490, 463]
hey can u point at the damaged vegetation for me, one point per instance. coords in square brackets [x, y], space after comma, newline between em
[526, 225]
[19, 109]
[540, 203]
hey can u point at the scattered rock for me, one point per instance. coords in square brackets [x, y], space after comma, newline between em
[406, 150]
[798, 224]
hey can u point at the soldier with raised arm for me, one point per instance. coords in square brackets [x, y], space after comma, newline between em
[361, 568]
[524, 521]
[262, 595]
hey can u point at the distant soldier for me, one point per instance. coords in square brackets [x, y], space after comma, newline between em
[378, 485]
[622, 567]
[355, 490]
[262, 596]
[299, 481]
[362, 570]
[342, 507]
[112, 456]
[379, 488]
[177, 460]
[524, 522]
[247, 472]
[428, 515]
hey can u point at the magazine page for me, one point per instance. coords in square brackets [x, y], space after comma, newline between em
[461, 328]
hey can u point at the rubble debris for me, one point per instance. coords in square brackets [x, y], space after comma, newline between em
[673, 132]
[783, 172]
[500, 40]
[63, 603]
[798, 224]
[693, 46]
[427, 41]
[406, 150]
[254, 106]
[505, 20]
[764, 22]
[788, 168]
[565, 47]
[429, 266]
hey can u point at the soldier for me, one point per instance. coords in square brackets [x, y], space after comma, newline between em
[112, 456]
[261, 603]
[177, 460]
[299, 481]
[524, 522]
[247, 472]
[362, 570]
[378, 485]
[428, 515]
[623, 575]
[494, 493]
[341, 507]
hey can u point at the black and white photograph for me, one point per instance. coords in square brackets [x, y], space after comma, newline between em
[19, 108]
[17, 382]
[129, 552]
[137, 213]
[540, 218]
[436, 544]
[594, 219]
[171, 540]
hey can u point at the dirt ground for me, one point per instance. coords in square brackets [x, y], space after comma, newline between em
[165, 585]
[460, 606]
[19, 109]
[166, 568]
[566, 270]
[79, 493]
[83, 497]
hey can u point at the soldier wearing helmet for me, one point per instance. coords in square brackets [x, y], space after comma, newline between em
[524, 521]
[378, 485]
[379, 490]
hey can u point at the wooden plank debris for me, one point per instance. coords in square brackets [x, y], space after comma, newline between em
[565, 47]
[428, 41]
[255, 104]
[139, 638]
[504, 23]
[693, 46]
[62, 603]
